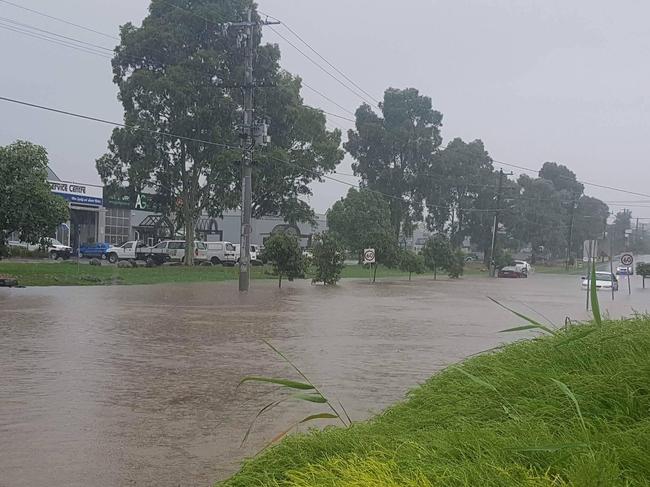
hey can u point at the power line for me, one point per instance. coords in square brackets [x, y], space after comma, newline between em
[206, 142]
[347, 87]
[586, 183]
[190, 12]
[67, 38]
[327, 98]
[51, 40]
[103, 48]
[321, 57]
[61, 20]
[116, 124]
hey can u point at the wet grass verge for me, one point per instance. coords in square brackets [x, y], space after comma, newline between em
[571, 409]
[69, 274]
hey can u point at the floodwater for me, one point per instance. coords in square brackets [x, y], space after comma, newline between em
[123, 386]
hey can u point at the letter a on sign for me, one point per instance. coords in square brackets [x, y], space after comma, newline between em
[369, 256]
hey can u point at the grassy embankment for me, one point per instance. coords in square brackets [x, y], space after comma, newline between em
[500, 419]
[69, 274]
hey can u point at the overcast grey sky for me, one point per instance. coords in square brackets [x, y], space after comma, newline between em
[536, 80]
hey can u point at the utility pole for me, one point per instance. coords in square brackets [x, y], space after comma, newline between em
[495, 228]
[247, 162]
[251, 134]
[574, 203]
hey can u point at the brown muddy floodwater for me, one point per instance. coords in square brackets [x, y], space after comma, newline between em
[121, 386]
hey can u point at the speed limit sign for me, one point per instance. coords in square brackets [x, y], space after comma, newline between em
[369, 256]
[627, 259]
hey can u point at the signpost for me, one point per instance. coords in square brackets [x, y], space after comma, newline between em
[369, 258]
[628, 260]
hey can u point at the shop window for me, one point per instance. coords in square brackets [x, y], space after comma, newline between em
[118, 223]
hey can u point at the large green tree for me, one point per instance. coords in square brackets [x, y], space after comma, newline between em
[461, 184]
[539, 217]
[180, 73]
[589, 222]
[362, 220]
[393, 150]
[27, 206]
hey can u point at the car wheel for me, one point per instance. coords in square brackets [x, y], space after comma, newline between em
[53, 255]
[215, 261]
[112, 258]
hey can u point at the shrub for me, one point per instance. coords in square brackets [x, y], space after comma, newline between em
[328, 258]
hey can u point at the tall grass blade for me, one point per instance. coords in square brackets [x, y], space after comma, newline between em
[475, 379]
[552, 448]
[282, 382]
[567, 392]
[536, 324]
[520, 328]
[268, 407]
[345, 412]
[593, 291]
[317, 398]
[319, 416]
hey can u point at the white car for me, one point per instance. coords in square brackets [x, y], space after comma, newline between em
[221, 253]
[523, 266]
[624, 270]
[604, 281]
[55, 249]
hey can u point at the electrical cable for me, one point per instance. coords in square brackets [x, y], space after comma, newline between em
[286, 26]
[51, 17]
[207, 142]
[347, 87]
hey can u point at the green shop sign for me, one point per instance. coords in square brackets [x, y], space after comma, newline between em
[122, 198]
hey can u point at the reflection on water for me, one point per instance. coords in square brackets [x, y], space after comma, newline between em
[136, 385]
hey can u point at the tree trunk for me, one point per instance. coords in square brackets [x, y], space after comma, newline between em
[280, 281]
[410, 275]
[374, 274]
[435, 273]
[189, 237]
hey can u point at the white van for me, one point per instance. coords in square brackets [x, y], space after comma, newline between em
[174, 250]
[221, 253]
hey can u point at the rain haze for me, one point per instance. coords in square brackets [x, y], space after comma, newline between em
[535, 80]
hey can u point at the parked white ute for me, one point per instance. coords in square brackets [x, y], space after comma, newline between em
[132, 250]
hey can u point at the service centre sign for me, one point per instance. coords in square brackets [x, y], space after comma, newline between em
[78, 193]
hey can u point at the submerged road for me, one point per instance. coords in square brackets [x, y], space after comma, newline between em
[136, 385]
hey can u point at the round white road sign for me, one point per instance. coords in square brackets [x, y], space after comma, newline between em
[369, 256]
[627, 259]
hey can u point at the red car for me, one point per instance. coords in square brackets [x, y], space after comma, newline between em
[512, 272]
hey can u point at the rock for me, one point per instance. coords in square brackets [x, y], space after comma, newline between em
[96, 262]
[8, 281]
[124, 264]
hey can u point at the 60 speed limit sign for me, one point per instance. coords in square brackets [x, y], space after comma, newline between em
[369, 256]
[627, 259]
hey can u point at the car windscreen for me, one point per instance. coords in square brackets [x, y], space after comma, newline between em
[230, 247]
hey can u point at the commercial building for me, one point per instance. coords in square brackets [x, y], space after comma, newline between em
[87, 213]
[100, 214]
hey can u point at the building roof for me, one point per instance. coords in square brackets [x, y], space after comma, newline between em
[51, 175]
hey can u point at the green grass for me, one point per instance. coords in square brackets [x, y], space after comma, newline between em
[68, 274]
[565, 410]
